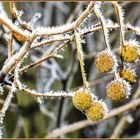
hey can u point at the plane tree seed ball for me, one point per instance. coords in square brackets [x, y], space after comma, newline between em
[128, 74]
[105, 61]
[118, 90]
[96, 111]
[130, 51]
[82, 100]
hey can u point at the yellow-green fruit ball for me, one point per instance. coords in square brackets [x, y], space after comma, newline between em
[128, 75]
[116, 91]
[129, 53]
[104, 62]
[96, 111]
[82, 100]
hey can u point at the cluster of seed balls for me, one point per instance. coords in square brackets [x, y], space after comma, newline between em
[119, 88]
[94, 109]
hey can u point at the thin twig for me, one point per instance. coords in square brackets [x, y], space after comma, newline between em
[10, 49]
[100, 16]
[6, 105]
[66, 28]
[81, 58]
[45, 57]
[120, 15]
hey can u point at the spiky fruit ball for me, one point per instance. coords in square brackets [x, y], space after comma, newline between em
[130, 51]
[118, 90]
[96, 111]
[105, 61]
[128, 74]
[82, 100]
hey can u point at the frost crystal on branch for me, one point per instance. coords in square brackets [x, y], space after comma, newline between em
[136, 29]
[43, 31]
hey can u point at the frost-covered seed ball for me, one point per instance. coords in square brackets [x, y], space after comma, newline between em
[96, 111]
[82, 100]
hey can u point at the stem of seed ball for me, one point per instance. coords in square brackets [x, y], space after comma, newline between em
[120, 13]
[102, 20]
[81, 58]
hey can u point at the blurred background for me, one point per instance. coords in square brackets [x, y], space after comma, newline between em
[26, 117]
